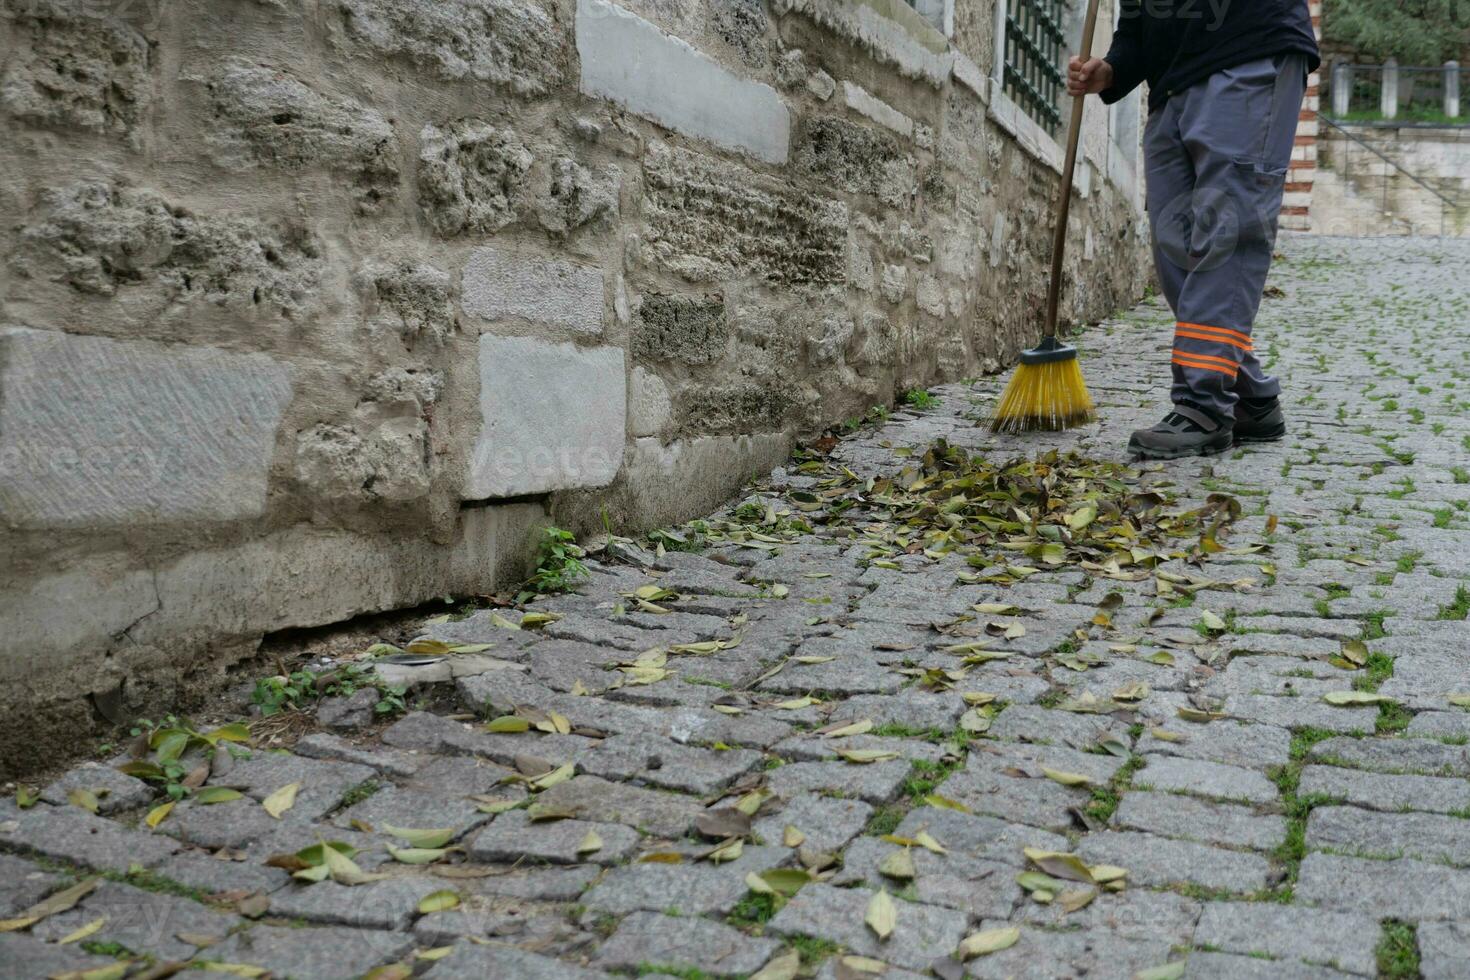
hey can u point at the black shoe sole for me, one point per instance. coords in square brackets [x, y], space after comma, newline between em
[1168, 454]
[1273, 436]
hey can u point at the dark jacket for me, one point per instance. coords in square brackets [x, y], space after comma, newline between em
[1172, 44]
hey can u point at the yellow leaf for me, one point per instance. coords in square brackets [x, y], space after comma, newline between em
[158, 814]
[235, 969]
[1166, 736]
[417, 855]
[1105, 874]
[60, 902]
[987, 942]
[84, 798]
[758, 884]
[343, 870]
[1075, 901]
[498, 620]
[440, 901]
[1066, 778]
[1211, 622]
[435, 954]
[1067, 866]
[899, 865]
[792, 837]
[281, 800]
[420, 838]
[216, 794]
[508, 724]
[558, 775]
[730, 850]
[797, 704]
[855, 728]
[945, 803]
[662, 857]
[783, 967]
[882, 915]
[864, 964]
[591, 844]
[751, 802]
[1351, 698]
[82, 933]
[813, 660]
[1459, 700]
[928, 843]
[977, 699]
[866, 756]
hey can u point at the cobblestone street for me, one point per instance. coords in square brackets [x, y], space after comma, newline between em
[892, 714]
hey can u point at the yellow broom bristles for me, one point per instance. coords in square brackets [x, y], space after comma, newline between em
[1044, 398]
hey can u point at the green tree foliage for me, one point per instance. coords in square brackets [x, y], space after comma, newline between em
[1416, 32]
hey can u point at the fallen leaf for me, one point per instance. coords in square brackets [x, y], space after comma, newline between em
[977, 699]
[781, 881]
[791, 837]
[281, 800]
[989, 941]
[418, 855]
[62, 901]
[783, 967]
[84, 798]
[1355, 652]
[1459, 700]
[661, 857]
[1076, 900]
[82, 933]
[1167, 971]
[853, 728]
[866, 756]
[1211, 622]
[591, 844]
[420, 838]
[1198, 716]
[723, 822]
[945, 803]
[26, 796]
[389, 971]
[1351, 698]
[440, 901]
[343, 870]
[1105, 874]
[1167, 736]
[1066, 778]
[253, 906]
[216, 794]
[234, 969]
[882, 915]
[158, 814]
[435, 954]
[558, 775]
[508, 724]
[751, 802]
[899, 865]
[1059, 864]
[729, 850]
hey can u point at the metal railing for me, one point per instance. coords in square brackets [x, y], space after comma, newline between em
[1035, 47]
[1447, 204]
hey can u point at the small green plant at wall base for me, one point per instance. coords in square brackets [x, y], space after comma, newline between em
[558, 563]
[920, 399]
[292, 692]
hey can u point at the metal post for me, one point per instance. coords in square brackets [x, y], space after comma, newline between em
[1452, 89]
[1342, 89]
[1389, 102]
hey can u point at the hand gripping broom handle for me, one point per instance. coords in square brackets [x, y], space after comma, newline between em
[1074, 134]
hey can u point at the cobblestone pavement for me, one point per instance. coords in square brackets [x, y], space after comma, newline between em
[1244, 733]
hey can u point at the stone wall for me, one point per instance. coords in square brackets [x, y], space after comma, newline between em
[1369, 196]
[312, 308]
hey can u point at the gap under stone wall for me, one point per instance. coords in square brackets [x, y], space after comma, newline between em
[295, 294]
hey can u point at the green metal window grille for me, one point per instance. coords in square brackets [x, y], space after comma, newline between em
[1034, 52]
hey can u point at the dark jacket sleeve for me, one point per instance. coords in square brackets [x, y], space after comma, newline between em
[1126, 55]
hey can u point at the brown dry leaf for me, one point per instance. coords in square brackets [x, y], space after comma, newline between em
[722, 823]
[1059, 864]
[253, 906]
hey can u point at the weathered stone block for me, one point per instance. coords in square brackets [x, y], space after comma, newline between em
[410, 300]
[855, 158]
[500, 285]
[648, 403]
[628, 60]
[80, 71]
[472, 177]
[554, 417]
[507, 42]
[105, 431]
[864, 103]
[681, 328]
[710, 220]
[268, 116]
[102, 239]
[577, 196]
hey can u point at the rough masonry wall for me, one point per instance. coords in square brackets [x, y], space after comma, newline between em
[310, 308]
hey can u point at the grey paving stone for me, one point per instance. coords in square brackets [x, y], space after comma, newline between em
[665, 763]
[827, 822]
[1161, 862]
[1209, 779]
[978, 836]
[977, 887]
[512, 836]
[397, 807]
[389, 904]
[1031, 723]
[323, 784]
[322, 745]
[1302, 713]
[1341, 940]
[1136, 913]
[874, 783]
[1226, 741]
[1043, 955]
[647, 938]
[328, 952]
[1228, 966]
[75, 836]
[1033, 759]
[1403, 889]
[1408, 756]
[692, 890]
[1433, 794]
[28, 958]
[234, 823]
[114, 790]
[288, 838]
[813, 748]
[1172, 815]
[542, 885]
[1444, 949]
[658, 812]
[1440, 724]
[141, 921]
[469, 962]
[211, 875]
[1038, 802]
[23, 884]
[845, 676]
[1364, 833]
[910, 708]
[923, 932]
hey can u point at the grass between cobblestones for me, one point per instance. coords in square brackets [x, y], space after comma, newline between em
[1290, 852]
[1398, 951]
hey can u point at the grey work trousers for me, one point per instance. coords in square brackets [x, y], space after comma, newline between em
[1217, 156]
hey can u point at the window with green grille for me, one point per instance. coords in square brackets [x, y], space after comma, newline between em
[1035, 50]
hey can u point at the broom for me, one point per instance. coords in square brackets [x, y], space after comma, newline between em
[1048, 392]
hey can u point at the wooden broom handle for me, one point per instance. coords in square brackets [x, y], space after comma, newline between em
[1074, 134]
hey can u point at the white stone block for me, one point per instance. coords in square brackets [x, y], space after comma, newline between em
[628, 60]
[861, 101]
[500, 285]
[969, 74]
[553, 414]
[100, 431]
[649, 405]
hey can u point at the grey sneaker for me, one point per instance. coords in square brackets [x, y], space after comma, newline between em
[1186, 431]
[1261, 422]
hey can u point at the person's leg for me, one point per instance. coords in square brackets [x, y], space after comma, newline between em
[1239, 127]
[1168, 177]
